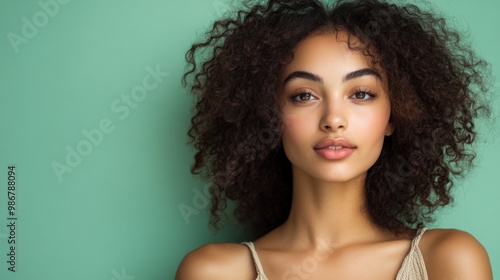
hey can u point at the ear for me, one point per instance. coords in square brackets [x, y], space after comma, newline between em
[389, 129]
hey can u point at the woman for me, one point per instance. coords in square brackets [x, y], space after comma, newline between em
[337, 133]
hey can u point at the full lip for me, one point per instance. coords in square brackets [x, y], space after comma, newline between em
[337, 142]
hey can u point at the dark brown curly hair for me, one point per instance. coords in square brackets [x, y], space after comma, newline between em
[437, 87]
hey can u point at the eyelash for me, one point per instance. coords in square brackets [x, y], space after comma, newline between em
[366, 92]
[295, 97]
[369, 94]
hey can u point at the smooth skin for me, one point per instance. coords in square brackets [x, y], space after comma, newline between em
[330, 91]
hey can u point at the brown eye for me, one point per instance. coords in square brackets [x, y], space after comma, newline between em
[302, 97]
[305, 96]
[360, 95]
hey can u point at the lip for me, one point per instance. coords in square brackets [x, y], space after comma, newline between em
[346, 149]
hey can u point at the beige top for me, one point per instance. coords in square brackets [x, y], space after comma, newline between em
[413, 267]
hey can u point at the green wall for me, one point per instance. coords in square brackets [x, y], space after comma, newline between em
[93, 117]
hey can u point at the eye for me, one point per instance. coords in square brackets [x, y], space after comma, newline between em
[302, 97]
[362, 95]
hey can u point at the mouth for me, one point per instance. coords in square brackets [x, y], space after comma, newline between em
[334, 148]
[334, 144]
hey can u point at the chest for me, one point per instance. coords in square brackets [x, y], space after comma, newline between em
[360, 262]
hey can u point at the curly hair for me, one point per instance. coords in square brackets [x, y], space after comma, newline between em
[437, 88]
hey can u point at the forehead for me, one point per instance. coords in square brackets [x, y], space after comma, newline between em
[328, 53]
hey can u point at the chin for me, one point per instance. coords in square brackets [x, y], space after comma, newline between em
[336, 177]
[340, 179]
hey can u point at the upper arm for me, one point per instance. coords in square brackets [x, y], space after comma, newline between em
[196, 265]
[215, 261]
[454, 254]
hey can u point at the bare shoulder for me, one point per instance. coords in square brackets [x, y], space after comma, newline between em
[217, 261]
[454, 254]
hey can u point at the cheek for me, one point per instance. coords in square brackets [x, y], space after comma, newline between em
[373, 126]
[290, 131]
[296, 126]
[300, 121]
[296, 130]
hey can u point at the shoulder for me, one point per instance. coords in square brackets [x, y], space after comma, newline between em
[217, 261]
[454, 254]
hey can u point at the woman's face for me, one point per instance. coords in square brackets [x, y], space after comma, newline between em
[336, 110]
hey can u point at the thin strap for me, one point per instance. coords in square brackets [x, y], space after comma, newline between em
[255, 257]
[413, 266]
[417, 237]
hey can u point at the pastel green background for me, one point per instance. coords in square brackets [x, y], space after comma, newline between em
[116, 215]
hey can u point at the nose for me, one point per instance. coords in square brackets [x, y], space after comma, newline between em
[333, 116]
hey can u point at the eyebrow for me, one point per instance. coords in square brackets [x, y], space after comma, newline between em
[347, 77]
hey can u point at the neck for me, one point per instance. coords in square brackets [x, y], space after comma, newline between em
[328, 212]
